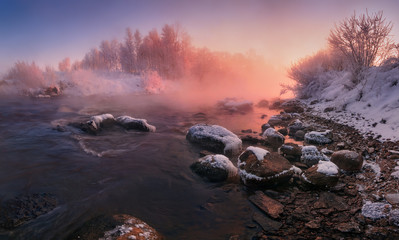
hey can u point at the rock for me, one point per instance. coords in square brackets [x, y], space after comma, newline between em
[265, 126]
[329, 109]
[283, 131]
[268, 205]
[214, 138]
[323, 174]
[116, 227]
[128, 123]
[246, 131]
[274, 138]
[314, 102]
[340, 145]
[233, 105]
[96, 123]
[392, 198]
[348, 227]
[327, 151]
[275, 105]
[394, 217]
[263, 103]
[299, 135]
[292, 106]
[313, 224]
[52, 91]
[252, 139]
[291, 151]
[331, 202]
[259, 167]
[295, 126]
[376, 210]
[215, 168]
[266, 223]
[311, 156]
[319, 137]
[275, 120]
[347, 160]
[17, 211]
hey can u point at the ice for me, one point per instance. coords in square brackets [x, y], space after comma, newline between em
[376, 210]
[327, 168]
[260, 153]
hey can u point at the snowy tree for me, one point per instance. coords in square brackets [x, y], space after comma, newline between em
[65, 65]
[109, 52]
[137, 44]
[364, 40]
[128, 53]
[92, 60]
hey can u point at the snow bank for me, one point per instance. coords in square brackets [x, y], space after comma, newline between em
[327, 168]
[260, 153]
[372, 106]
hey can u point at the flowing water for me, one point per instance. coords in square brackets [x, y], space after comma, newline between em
[146, 175]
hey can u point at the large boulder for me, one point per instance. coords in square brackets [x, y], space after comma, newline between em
[319, 138]
[116, 227]
[97, 122]
[259, 167]
[215, 168]
[128, 122]
[291, 151]
[311, 156]
[273, 137]
[347, 160]
[214, 138]
[323, 174]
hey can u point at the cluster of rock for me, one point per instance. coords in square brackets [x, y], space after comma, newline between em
[99, 122]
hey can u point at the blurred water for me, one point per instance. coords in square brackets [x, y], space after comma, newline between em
[146, 175]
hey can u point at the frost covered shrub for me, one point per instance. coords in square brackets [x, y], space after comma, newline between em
[27, 74]
[311, 73]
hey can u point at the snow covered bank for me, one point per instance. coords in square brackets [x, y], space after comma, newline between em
[372, 106]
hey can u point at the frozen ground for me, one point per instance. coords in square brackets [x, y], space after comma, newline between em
[372, 106]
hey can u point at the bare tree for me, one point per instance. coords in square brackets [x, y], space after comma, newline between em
[364, 40]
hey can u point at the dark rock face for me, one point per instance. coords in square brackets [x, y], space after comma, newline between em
[116, 227]
[214, 138]
[19, 210]
[270, 170]
[215, 168]
[347, 160]
[291, 151]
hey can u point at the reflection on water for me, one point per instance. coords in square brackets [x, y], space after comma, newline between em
[146, 175]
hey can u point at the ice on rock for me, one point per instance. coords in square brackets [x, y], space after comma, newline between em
[327, 168]
[204, 134]
[376, 210]
[260, 153]
[135, 123]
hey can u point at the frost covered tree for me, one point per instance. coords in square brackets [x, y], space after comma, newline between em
[137, 43]
[128, 53]
[109, 51]
[65, 65]
[364, 40]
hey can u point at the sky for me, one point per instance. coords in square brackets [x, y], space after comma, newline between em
[46, 31]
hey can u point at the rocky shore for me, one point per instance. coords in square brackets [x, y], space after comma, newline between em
[331, 181]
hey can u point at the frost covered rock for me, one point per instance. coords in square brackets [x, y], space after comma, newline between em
[319, 137]
[214, 138]
[128, 122]
[394, 217]
[233, 105]
[376, 210]
[323, 174]
[291, 151]
[295, 126]
[259, 167]
[215, 168]
[116, 227]
[274, 138]
[265, 126]
[310, 156]
[347, 160]
[96, 123]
